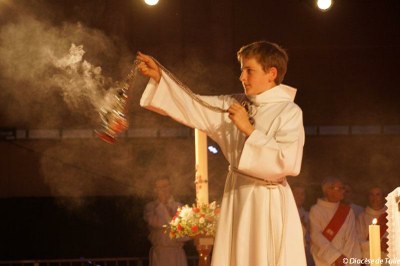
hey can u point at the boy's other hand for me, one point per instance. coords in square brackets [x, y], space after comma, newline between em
[239, 116]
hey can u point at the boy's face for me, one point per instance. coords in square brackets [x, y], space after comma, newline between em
[253, 77]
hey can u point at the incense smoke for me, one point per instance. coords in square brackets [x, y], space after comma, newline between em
[58, 76]
[48, 65]
[52, 77]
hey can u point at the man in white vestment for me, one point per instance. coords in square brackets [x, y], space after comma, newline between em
[376, 209]
[157, 213]
[334, 238]
[259, 224]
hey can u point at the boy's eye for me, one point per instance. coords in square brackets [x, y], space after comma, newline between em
[247, 70]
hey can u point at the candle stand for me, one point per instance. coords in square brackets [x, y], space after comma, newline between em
[204, 246]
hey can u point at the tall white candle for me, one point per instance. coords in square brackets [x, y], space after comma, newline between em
[201, 167]
[374, 243]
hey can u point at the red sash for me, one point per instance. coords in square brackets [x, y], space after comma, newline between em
[382, 221]
[336, 222]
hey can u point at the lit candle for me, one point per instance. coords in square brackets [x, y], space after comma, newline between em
[201, 167]
[374, 243]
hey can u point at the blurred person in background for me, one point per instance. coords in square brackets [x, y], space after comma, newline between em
[349, 198]
[164, 251]
[376, 209]
[299, 194]
[334, 238]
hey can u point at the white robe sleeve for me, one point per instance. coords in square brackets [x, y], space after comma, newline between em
[322, 246]
[277, 153]
[168, 98]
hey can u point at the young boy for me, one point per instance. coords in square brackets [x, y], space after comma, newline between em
[259, 222]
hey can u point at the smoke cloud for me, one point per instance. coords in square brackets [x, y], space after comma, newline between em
[58, 67]
[58, 75]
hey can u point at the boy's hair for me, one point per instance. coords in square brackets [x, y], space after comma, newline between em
[268, 55]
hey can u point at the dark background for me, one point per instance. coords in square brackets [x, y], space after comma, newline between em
[84, 198]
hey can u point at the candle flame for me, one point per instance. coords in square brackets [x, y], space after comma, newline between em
[374, 221]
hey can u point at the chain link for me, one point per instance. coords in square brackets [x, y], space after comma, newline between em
[189, 92]
[251, 110]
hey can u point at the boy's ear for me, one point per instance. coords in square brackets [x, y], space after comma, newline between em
[272, 73]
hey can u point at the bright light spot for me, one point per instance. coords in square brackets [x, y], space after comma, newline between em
[374, 221]
[151, 2]
[213, 149]
[324, 4]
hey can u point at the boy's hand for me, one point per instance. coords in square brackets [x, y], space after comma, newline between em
[239, 116]
[148, 67]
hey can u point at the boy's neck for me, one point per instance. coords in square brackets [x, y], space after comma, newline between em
[269, 86]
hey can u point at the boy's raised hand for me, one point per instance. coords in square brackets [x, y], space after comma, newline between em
[239, 116]
[148, 67]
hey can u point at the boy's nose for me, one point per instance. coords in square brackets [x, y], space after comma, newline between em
[242, 77]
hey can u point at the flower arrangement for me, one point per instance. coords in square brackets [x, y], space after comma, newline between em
[194, 221]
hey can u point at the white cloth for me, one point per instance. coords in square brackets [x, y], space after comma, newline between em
[257, 221]
[345, 243]
[363, 222]
[393, 210]
[164, 251]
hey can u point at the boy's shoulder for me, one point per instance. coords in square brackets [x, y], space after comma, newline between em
[291, 109]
